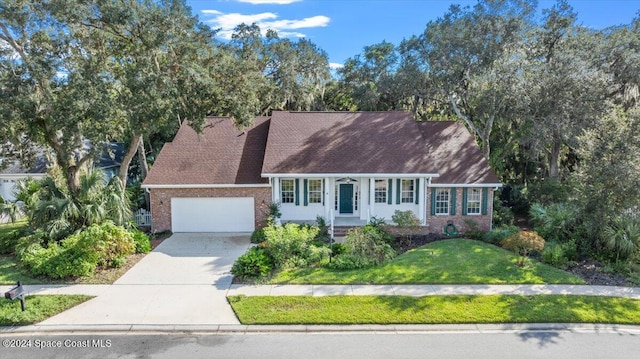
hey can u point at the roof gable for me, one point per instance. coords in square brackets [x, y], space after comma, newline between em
[221, 154]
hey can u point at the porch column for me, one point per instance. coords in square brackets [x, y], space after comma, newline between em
[328, 199]
[275, 195]
[372, 197]
[422, 200]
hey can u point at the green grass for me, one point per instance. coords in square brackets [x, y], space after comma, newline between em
[7, 229]
[11, 272]
[456, 309]
[39, 308]
[453, 261]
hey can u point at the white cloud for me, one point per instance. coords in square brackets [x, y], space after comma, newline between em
[262, 2]
[266, 20]
[335, 65]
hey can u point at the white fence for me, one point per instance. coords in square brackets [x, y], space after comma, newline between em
[142, 217]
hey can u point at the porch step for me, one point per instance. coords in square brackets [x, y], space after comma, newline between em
[341, 231]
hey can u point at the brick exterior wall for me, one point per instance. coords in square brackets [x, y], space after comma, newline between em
[436, 224]
[161, 202]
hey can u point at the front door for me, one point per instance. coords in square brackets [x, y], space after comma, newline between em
[346, 198]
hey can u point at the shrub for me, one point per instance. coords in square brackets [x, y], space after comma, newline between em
[523, 243]
[258, 236]
[406, 222]
[75, 257]
[10, 239]
[273, 213]
[256, 263]
[29, 243]
[368, 242]
[377, 222]
[290, 245]
[109, 241]
[141, 241]
[323, 230]
[559, 254]
[502, 215]
[349, 261]
[555, 222]
[473, 229]
[337, 249]
[118, 262]
[499, 234]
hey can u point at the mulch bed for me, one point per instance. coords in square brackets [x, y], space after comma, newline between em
[402, 245]
[592, 272]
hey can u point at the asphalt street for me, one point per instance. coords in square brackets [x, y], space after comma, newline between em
[520, 344]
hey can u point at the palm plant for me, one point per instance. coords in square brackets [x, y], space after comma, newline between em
[622, 237]
[9, 210]
[59, 214]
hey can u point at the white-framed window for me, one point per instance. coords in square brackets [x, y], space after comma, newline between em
[442, 201]
[474, 200]
[314, 192]
[407, 191]
[287, 191]
[380, 194]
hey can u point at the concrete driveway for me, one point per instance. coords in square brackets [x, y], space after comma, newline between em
[183, 281]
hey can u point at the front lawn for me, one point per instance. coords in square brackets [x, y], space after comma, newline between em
[7, 229]
[456, 309]
[11, 272]
[452, 261]
[39, 308]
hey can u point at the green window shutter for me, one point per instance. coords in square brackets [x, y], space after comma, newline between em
[417, 187]
[433, 201]
[453, 202]
[390, 192]
[398, 184]
[464, 201]
[305, 190]
[485, 198]
[297, 191]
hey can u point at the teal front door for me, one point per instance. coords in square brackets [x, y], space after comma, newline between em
[346, 198]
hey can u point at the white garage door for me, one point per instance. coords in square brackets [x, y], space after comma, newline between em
[233, 214]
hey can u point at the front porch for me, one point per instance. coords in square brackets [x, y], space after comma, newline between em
[350, 200]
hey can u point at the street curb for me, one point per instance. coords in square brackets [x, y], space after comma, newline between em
[316, 329]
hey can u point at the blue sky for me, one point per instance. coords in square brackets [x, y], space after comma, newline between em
[343, 27]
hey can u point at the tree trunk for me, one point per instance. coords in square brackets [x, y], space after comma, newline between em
[126, 161]
[554, 158]
[73, 180]
[144, 170]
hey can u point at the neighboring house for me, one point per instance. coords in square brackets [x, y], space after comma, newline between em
[14, 171]
[343, 166]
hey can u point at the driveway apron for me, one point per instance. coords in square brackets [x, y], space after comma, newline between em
[183, 281]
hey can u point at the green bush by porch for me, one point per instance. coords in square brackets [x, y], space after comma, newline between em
[453, 261]
[456, 309]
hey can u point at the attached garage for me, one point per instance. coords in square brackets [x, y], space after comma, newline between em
[213, 214]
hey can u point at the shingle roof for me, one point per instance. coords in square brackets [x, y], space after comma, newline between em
[321, 142]
[221, 154]
[111, 156]
[458, 158]
[373, 142]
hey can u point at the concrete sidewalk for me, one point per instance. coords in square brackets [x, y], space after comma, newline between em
[418, 290]
[428, 290]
